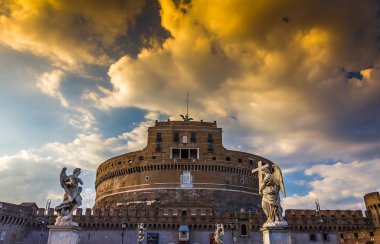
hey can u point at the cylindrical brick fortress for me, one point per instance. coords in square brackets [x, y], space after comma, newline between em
[183, 164]
[372, 203]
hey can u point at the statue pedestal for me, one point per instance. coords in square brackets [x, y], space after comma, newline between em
[276, 235]
[64, 234]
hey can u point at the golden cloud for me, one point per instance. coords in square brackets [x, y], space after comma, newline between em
[68, 32]
[273, 68]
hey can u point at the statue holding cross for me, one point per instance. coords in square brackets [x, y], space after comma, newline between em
[270, 183]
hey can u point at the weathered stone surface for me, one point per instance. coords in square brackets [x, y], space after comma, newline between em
[59, 234]
[276, 235]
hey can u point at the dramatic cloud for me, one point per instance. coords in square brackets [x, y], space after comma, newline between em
[68, 32]
[284, 80]
[298, 79]
[339, 186]
[29, 172]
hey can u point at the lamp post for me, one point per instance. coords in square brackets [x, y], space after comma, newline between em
[232, 227]
[42, 223]
[123, 226]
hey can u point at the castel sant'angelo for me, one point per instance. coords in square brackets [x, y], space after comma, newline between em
[184, 164]
[180, 186]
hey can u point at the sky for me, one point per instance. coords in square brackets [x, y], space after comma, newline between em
[294, 81]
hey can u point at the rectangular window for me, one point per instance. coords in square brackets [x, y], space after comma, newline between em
[184, 139]
[209, 138]
[193, 137]
[175, 153]
[176, 137]
[250, 162]
[194, 153]
[159, 137]
[185, 153]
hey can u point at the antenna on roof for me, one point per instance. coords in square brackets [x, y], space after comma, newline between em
[187, 103]
[186, 117]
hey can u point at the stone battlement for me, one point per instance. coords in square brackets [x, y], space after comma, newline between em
[168, 218]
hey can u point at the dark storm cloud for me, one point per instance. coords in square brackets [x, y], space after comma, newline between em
[70, 33]
[146, 28]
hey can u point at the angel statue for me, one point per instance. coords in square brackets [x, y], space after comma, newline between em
[71, 198]
[270, 187]
[186, 118]
[140, 233]
[219, 233]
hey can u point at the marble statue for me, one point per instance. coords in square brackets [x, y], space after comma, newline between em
[270, 184]
[71, 198]
[140, 233]
[219, 233]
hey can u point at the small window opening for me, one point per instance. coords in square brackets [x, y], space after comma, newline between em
[184, 153]
[159, 137]
[175, 153]
[209, 138]
[193, 137]
[193, 153]
[184, 139]
[176, 137]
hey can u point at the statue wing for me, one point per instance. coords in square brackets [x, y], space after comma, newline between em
[278, 176]
[62, 178]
